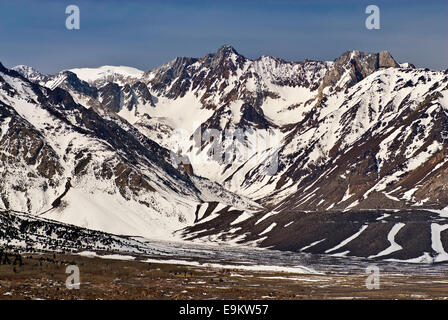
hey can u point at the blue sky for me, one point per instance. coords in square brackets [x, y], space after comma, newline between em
[145, 34]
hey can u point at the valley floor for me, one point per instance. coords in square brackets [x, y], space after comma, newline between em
[42, 276]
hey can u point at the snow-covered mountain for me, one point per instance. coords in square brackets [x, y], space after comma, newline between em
[102, 75]
[30, 73]
[63, 161]
[360, 132]
[308, 115]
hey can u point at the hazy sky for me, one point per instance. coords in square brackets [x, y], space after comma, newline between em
[145, 34]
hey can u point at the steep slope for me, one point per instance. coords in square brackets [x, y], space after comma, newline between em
[268, 128]
[278, 126]
[379, 145]
[374, 140]
[64, 161]
[240, 104]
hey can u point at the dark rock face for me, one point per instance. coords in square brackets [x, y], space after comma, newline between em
[136, 93]
[142, 91]
[72, 82]
[177, 69]
[110, 97]
[22, 141]
[385, 60]
[359, 65]
[253, 116]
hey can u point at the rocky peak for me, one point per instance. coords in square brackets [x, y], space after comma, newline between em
[226, 55]
[358, 65]
[385, 60]
[366, 61]
[29, 72]
[161, 78]
[178, 66]
[137, 93]
[226, 50]
[184, 73]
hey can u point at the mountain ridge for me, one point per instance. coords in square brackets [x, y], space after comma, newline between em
[360, 133]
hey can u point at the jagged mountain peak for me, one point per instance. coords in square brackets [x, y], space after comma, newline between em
[21, 68]
[226, 57]
[385, 59]
[226, 50]
[353, 66]
[29, 72]
[174, 68]
[378, 60]
[70, 75]
[178, 65]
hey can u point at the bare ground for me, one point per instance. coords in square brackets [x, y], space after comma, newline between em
[44, 277]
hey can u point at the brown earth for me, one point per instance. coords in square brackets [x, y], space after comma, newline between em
[43, 277]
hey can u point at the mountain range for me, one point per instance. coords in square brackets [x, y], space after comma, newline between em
[226, 148]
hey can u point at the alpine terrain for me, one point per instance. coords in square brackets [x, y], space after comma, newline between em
[343, 157]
